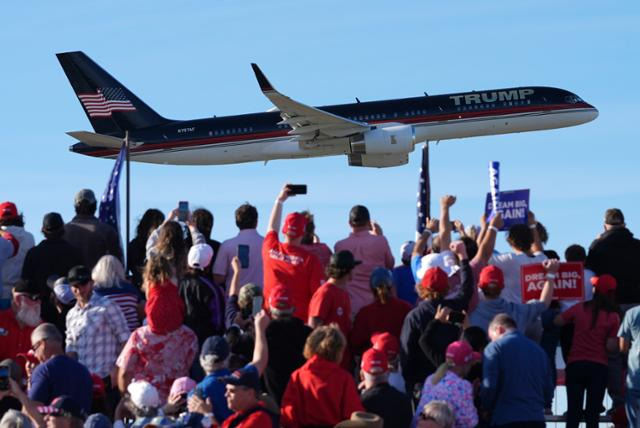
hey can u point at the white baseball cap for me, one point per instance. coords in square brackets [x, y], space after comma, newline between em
[200, 256]
[143, 394]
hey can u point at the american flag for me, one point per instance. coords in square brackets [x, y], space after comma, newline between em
[105, 101]
[424, 192]
[110, 201]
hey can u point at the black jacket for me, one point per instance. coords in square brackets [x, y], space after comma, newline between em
[617, 253]
[414, 363]
[391, 405]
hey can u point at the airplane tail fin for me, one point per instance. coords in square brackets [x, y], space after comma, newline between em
[109, 105]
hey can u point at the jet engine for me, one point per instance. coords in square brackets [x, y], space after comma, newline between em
[389, 140]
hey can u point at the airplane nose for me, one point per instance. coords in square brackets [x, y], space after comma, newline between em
[593, 113]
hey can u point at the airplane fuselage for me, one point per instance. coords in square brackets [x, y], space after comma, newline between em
[259, 137]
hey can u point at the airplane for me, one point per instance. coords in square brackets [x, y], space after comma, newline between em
[370, 134]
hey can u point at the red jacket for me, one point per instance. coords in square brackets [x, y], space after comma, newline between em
[377, 318]
[319, 393]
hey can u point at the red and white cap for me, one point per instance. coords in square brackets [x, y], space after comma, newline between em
[461, 353]
[387, 343]
[374, 362]
[294, 225]
[8, 211]
[280, 299]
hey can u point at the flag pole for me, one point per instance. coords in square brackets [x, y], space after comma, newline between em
[127, 199]
[427, 184]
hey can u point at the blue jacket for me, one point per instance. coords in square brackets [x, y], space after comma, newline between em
[516, 380]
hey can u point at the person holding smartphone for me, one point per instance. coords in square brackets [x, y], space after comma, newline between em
[246, 245]
[287, 263]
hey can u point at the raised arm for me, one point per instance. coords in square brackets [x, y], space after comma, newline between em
[536, 247]
[260, 349]
[551, 266]
[485, 249]
[276, 212]
[421, 242]
[483, 229]
[466, 275]
[445, 223]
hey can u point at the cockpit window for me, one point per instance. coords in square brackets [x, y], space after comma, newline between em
[572, 99]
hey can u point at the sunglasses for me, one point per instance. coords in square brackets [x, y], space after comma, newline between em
[425, 417]
[79, 285]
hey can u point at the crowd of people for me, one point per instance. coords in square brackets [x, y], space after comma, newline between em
[281, 330]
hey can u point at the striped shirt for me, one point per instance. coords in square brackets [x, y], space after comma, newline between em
[96, 333]
[126, 297]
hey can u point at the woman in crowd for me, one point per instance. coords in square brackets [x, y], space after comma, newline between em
[448, 384]
[596, 325]
[311, 242]
[320, 393]
[436, 414]
[108, 281]
[385, 315]
[136, 252]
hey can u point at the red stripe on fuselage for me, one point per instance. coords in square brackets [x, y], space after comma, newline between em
[284, 132]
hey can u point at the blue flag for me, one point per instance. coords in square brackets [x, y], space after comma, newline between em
[424, 192]
[110, 202]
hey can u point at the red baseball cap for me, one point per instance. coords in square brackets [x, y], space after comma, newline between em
[435, 279]
[386, 342]
[491, 275]
[294, 225]
[8, 211]
[280, 299]
[460, 352]
[374, 362]
[604, 283]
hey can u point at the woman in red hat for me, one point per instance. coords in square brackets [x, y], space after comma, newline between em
[595, 333]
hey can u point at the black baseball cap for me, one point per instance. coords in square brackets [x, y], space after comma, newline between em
[79, 275]
[52, 222]
[25, 286]
[343, 260]
[246, 376]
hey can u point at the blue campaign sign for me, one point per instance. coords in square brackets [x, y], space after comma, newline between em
[513, 205]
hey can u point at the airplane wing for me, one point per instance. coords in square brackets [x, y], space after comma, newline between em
[308, 123]
[99, 140]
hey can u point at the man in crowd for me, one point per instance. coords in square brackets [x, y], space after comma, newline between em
[492, 283]
[96, 327]
[516, 381]
[247, 221]
[286, 336]
[53, 256]
[9, 247]
[92, 237]
[17, 322]
[629, 338]
[617, 252]
[403, 277]
[213, 360]
[288, 264]
[378, 396]
[57, 374]
[527, 249]
[203, 219]
[368, 245]
[12, 222]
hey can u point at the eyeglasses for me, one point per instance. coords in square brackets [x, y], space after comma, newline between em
[35, 347]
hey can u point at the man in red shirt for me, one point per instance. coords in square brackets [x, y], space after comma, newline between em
[243, 387]
[287, 263]
[17, 322]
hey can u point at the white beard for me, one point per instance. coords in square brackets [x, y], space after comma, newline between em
[29, 315]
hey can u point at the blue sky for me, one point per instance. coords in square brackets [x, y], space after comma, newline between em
[191, 60]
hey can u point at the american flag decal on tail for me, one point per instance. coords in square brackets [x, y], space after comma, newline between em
[105, 101]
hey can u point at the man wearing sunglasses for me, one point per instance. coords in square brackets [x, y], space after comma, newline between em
[17, 322]
[50, 378]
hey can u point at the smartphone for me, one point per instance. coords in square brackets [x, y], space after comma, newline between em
[4, 378]
[456, 317]
[297, 189]
[183, 210]
[256, 305]
[243, 255]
